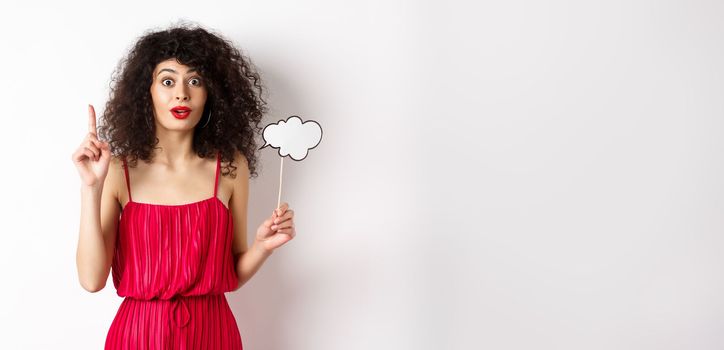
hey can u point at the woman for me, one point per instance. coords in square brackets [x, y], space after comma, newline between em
[185, 102]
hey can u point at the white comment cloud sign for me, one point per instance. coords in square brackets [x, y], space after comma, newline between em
[293, 137]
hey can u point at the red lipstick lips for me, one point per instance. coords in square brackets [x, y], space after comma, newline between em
[180, 112]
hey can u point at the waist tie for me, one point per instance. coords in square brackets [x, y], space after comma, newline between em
[185, 316]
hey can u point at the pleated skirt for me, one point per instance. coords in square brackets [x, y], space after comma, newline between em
[180, 323]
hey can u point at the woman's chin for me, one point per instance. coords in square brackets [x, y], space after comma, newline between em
[179, 124]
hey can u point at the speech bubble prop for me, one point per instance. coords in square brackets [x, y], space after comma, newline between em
[292, 137]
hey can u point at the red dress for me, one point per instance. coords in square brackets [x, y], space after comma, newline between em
[173, 264]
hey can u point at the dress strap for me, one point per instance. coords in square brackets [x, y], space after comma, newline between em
[128, 181]
[218, 166]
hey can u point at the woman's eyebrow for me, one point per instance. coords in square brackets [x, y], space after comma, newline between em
[173, 71]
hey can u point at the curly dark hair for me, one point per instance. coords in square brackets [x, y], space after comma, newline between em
[234, 93]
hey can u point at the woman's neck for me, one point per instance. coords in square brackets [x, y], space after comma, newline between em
[176, 148]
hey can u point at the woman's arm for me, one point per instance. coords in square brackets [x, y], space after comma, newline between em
[276, 230]
[98, 222]
[247, 261]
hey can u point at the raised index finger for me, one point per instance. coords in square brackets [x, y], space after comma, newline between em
[91, 120]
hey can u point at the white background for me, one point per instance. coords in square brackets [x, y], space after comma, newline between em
[492, 175]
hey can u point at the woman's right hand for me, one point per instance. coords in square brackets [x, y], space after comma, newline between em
[93, 155]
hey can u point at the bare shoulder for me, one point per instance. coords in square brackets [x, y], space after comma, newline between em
[240, 160]
[241, 179]
[115, 178]
[242, 165]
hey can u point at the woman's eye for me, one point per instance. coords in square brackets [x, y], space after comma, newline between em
[193, 81]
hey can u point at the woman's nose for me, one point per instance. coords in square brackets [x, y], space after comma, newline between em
[182, 94]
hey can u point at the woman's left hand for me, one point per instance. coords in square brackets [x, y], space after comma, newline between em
[277, 229]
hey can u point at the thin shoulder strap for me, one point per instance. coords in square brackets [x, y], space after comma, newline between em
[128, 181]
[218, 166]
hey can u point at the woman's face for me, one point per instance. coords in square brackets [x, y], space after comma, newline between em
[176, 85]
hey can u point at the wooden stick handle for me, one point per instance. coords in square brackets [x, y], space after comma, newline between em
[281, 171]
